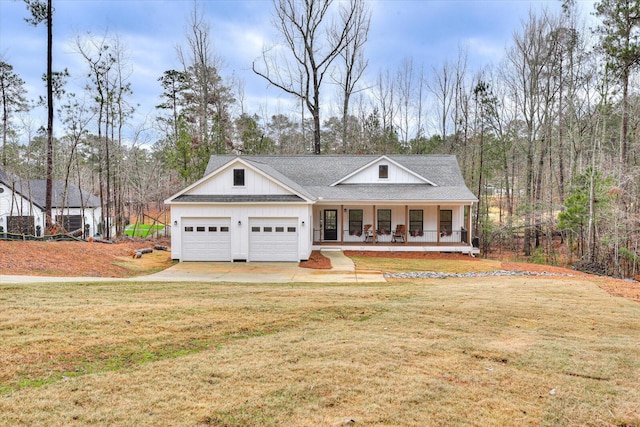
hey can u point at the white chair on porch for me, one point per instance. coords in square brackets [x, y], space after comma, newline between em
[368, 233]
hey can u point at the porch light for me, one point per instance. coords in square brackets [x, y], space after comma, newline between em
[239, 222]
[302, 222]
[175, 223]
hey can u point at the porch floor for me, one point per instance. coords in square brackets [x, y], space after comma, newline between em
[398, 247]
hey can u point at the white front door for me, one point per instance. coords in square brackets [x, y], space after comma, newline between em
[273, 239]
[206, 239]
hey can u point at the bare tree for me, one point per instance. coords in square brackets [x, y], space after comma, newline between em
[405, 82]
[311, 44]
[108, 87]
[99, 60]
[442, 87]
[206, 98]
[385, 94]
[460, 111]
[354, 63]
[75, 117]
[529, 61]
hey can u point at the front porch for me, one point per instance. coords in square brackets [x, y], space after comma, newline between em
[424, 241]
[394, 227]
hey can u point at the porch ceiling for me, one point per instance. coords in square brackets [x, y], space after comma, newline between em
[376, 193]
[393, 193]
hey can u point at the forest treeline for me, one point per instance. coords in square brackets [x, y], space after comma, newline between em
[547, 138]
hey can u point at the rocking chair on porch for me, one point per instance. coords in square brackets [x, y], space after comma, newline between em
[399, 233]
[368, 233]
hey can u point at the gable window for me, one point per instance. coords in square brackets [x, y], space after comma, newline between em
[446, 222]
[355, 222]
[383, 171]
[416, 222]
[384, 221]
[238, 177]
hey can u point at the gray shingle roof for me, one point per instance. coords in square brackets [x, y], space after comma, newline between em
[35, 190]
[314, 175]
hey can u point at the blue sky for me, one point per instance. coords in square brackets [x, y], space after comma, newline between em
[429, 31]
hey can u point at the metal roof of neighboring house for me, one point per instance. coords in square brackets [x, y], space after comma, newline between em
[35, 189]
[314, 175]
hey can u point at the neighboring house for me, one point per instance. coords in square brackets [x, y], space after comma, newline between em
[277, 208]
[23, 202]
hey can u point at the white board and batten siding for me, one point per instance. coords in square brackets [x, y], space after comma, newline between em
[292, 244]
[396, 175]
[240, 218]
[15, 204]
[254, 183]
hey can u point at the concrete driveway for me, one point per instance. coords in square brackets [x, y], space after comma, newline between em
[342, 271]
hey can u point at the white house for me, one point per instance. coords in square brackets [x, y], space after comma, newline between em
[280, 208]
[23, 202]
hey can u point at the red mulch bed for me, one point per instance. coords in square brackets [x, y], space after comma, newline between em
[317, 261]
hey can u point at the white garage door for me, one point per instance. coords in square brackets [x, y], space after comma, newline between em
[273, 239]
[206, 239]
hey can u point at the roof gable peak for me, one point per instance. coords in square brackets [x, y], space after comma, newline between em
[389, 171]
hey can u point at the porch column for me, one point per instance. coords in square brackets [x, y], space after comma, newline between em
[406, 224]
[438, 225]
[469, 226]
[342, 215]
[375, 231]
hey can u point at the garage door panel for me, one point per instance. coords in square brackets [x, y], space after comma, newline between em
[273, 239]
[206, 239]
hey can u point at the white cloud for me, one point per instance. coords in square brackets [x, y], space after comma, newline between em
[486, 50]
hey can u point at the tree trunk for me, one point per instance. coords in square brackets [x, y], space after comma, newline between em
[49, 183]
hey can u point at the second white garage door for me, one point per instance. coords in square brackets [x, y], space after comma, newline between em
[273, 239]
[206, 239]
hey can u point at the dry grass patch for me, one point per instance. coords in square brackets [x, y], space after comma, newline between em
[430, 352]
[401, 263]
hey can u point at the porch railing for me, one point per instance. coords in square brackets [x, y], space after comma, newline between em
[414, 236]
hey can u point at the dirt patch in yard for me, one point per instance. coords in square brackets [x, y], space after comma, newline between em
[90, 259]
[316, 261]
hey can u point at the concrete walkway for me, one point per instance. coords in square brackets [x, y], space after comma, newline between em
[342, 271]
